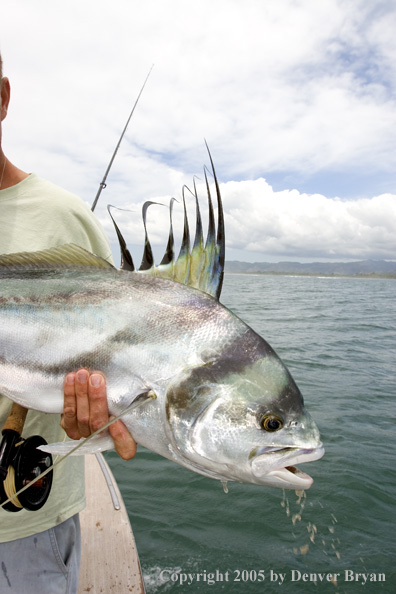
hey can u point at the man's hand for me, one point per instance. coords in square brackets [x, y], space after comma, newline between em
[85, 410]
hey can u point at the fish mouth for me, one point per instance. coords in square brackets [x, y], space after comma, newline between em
[276, 465]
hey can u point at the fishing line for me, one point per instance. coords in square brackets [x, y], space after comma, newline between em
[9, 488]
[13, 496]
[9, 484]
[102, 184]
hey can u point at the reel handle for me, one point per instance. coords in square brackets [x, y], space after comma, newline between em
[11, 433]
[16, 419]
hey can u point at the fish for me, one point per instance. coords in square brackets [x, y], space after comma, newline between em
[191, 380]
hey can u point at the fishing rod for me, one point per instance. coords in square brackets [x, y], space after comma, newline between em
[102, 184]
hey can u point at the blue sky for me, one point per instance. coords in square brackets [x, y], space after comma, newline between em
[296, 98]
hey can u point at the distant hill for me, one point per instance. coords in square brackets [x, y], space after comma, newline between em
[374, 268]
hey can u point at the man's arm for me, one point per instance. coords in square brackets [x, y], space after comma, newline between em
[85, 410]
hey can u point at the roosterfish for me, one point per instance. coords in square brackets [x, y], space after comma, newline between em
[191, 381]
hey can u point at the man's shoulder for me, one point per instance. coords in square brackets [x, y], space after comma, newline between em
[38, 204]
[50, 192]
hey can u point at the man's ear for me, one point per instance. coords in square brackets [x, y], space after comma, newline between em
[5, 96]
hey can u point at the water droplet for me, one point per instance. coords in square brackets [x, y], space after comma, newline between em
[296, 518]
[225, 486]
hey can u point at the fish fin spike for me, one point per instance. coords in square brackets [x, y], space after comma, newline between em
[209, 250]
[220, 243]
[126, 258]
[218, 254]
[169, 255]
[198, 241]
[181, 269]
[147, 264]
[210, 238]
[197, 259]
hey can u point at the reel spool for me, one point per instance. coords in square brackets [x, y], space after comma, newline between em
[20, 463]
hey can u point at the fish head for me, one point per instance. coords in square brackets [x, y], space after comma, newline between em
[243, 423]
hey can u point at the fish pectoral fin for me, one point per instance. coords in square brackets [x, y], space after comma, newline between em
[88, 445]
[140, 399]
[136, 401]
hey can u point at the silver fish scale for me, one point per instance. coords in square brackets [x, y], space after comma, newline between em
[143, 326]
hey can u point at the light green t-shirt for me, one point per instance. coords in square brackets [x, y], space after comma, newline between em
[35, 215]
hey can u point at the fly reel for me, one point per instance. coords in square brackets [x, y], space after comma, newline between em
[20, 464]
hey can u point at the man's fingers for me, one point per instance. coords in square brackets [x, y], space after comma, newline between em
[98, 410]
[69, 417]
[81, 391]
[86, 410]
[85, 403]
[124, 443]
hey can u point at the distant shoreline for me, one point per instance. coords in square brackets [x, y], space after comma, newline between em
[314, 274]
[358, 269]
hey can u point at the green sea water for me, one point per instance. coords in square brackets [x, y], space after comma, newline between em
[338, 338]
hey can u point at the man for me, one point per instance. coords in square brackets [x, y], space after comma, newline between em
[40, 551]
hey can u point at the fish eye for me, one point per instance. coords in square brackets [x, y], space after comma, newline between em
[271, 423]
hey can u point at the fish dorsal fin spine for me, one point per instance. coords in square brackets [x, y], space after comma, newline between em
[64, 256]
[201, 266]
[148, 259]
[169, 255]
[126, 258]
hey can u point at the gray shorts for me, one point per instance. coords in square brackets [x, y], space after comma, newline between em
[45, 563]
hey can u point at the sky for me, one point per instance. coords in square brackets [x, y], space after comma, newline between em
[295, 98]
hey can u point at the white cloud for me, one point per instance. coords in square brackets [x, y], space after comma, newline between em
[303, 90]
[288, 224]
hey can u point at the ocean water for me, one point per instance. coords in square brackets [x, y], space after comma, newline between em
[338, 338]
